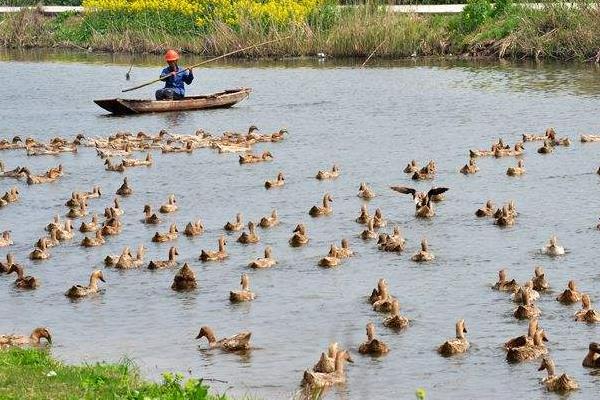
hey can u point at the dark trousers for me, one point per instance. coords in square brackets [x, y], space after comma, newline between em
[167, 94]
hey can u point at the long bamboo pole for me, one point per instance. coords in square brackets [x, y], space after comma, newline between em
[205, 62]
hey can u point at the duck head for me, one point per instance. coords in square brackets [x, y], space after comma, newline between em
[41, 332]
[208, 333]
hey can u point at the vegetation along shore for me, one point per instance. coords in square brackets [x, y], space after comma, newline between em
[211, 27]
[34, 374]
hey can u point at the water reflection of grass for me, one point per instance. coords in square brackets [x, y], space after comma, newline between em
[34, 374]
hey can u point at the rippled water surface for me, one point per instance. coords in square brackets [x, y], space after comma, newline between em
[372, 122]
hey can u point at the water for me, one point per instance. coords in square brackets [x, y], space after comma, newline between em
[370, 121]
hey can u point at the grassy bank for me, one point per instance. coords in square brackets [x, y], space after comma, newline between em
[505, 30]
[34, 374]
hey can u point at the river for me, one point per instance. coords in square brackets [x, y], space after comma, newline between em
[371, 122]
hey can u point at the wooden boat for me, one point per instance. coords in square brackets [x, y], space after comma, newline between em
[223, 99]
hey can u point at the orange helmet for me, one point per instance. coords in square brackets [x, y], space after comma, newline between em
[171, 55]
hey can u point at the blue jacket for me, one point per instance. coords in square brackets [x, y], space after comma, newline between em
[176, 82]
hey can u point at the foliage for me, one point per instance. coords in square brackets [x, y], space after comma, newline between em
[207, 12]
[475, 13]
[34, 374]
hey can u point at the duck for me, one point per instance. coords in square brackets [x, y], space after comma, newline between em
[75, 200]
[395, 320]
[425, 173]
[392, 243]
[524, 340]
[125, 189]
[503, 284]
[380, 292]
[516, 171]
[334, 173]
[55, 224]
[94, 194]
[470, 167]
[530, 350]
[457, 345]
[506, 218]
[423, 201]
[78, 212]
[5, 239]
[517, 296]
[539, 280]
[372, 345]
[378, 220]
[313, 379]
[365, 192]
[364, 217]
[326, 209]
[218, 255]
[170, 207]
[133, 162]
[166, 237]
[111, 260]
[592, 359]
[243, 295]
[79, 291]
[39, 179]
[235, 226]
[49, 241]
[570, 295]
[185, 279]
[527, 310]
[249, 237]
[149, 216]
[344, 251]
[127, 261]
[589, 138]
[11, 195]
[23, 281]
[188, 147]
[252, 158]
[170, 262]
[40, 253]
[114, 167]
[423, 255]
[16, 173]
[383, 300]
[299, 237]
[34, 339]
[194, 229]
[369, 233]
[277, 182]
[330, 260]
[265, 262]
[112, 226]
[98, 240]
[239, 342]
[560, 384]
[503, 152]
[587, 313]
[91, 226]
[411, 167]
[326, 363]
[552, 248]
[65, 233]
[267, 222]
[547, 148]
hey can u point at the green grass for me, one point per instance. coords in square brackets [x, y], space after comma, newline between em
[34, 374]
[500, 30]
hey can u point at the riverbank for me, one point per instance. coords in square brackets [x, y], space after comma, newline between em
[505, 30]
[34, 374]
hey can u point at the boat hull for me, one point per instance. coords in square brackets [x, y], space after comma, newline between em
[223, 99]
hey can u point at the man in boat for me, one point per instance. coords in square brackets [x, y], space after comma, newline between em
[174, 85]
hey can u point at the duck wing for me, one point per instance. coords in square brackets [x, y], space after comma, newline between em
[404, 190]
[435, 191]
